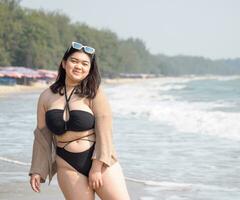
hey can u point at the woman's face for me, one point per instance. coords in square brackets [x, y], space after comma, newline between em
[77, 67]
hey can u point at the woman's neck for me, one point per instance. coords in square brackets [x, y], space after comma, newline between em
[70, 84]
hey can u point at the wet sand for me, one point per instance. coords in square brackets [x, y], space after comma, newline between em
[22, 191]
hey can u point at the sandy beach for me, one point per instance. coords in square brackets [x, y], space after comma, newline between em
[5, 89]
[22, 191]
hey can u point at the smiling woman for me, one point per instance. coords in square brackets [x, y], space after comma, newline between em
[77, 67]
[80, 132]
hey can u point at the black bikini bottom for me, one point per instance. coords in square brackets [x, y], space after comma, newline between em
[81, 161]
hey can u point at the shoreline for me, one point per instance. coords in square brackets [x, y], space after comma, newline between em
[10, 89]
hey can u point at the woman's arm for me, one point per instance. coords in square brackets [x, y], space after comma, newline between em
[103, 128]
[41, 110]
[35, 173]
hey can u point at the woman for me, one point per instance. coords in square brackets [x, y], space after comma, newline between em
[74, 133]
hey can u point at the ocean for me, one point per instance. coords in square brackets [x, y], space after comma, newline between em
[179, 136]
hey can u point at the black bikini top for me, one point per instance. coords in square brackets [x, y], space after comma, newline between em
[79, 120]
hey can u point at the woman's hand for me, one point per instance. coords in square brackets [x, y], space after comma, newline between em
[95, 179]
[95, 175]
[35, 182]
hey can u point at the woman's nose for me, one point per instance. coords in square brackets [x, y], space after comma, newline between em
[78, 66]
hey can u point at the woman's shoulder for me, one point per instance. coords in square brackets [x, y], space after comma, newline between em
[100, 91]
[45, 94]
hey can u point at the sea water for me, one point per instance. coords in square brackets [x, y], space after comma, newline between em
[179, 136]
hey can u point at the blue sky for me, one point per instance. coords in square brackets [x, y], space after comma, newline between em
[208, 28]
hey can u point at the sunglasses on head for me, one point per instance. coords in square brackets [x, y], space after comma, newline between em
[79, 46]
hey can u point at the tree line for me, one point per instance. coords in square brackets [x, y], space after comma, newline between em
[38, 39]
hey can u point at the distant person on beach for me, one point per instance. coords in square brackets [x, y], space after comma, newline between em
[73, 136]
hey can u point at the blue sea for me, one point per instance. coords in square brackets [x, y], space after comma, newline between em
[179, 136]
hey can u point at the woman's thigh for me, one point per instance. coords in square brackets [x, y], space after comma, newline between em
[73, 184]
[114, 185]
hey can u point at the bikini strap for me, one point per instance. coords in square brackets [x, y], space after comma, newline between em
[67, 104]
[68, 98]
[81, 138]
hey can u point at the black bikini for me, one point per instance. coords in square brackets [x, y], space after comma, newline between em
[79, 120]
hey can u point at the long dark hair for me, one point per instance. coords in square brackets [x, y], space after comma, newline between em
[88, 86]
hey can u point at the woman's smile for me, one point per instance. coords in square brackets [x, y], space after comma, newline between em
[77, 72]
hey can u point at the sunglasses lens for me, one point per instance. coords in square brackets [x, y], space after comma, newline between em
[76, 45]
[89, 50]
[79, 46]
